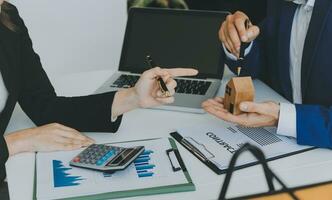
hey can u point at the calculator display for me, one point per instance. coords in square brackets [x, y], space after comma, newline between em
[124, 157]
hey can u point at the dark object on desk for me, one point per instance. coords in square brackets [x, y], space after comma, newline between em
[176, 4]
[161, 83]
[237, 90]
[269, 174]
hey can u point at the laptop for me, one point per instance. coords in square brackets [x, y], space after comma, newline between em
[174, 38]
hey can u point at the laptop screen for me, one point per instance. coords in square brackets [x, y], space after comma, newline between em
[174, 38]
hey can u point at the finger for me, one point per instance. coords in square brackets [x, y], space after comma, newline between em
[262, 108]
[65, 140]
[171, 85]
[252, 33]
[222, 35]
[212, 102]
[75, 135]
[167, 100]
[68, 147]
[219, 100]
[229, 42]
[241, 29]
[154, 72]
[226, 116]
[182, 72]
[234, 37]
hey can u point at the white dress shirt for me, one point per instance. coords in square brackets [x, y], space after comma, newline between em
[301, 20]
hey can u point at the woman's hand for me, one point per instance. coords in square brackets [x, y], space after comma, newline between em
[233, 32]
[255, 114]
[146, 92]
[52, 137]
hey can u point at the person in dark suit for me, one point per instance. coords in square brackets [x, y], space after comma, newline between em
[59, 119]
[291, 53]
[255, 9]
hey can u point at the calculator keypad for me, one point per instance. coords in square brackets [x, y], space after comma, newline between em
[97, 154]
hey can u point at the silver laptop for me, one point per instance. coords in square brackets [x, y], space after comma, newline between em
[174, 38]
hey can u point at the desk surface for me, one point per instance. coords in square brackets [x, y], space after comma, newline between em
[301, 169]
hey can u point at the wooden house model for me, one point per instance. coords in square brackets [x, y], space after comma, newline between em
[237, 90]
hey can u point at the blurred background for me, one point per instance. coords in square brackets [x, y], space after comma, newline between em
[79, 35]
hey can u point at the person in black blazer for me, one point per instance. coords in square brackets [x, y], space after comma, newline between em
[26, 82]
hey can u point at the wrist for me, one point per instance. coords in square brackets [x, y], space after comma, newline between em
[124, 101]
[17, 142]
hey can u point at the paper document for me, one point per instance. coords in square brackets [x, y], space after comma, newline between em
[218, 142]
[57, 180]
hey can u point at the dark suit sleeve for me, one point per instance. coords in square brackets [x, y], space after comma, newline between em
[40, 102]
[314, 125]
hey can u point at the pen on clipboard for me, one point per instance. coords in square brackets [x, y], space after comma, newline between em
[243, 47]
[194, 150]
[161, 83]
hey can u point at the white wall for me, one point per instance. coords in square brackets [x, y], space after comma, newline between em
[75, 35]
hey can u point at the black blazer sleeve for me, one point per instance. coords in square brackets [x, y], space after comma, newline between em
[40, 102]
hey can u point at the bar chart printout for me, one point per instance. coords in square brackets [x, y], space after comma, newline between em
[143, 166]
[62, 176]
[56, 179]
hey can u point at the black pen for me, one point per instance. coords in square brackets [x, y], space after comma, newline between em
[243, 47]
[160, 81]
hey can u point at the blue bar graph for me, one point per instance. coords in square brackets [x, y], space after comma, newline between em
[143, 166]
[147, 152]
[147, 174]
[61, 176]
[140, 160]
[144, 163]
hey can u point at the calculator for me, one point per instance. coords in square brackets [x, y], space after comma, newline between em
[106, 158]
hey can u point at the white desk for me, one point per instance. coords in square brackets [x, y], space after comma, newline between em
[305, 168]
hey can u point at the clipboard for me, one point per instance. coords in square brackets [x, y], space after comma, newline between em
[175, 161]
[192, 149]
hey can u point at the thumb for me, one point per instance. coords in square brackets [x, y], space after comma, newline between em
[252, 33]
[252, 107]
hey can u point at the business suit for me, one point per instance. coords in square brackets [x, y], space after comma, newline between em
[28, 84]
[269, 60]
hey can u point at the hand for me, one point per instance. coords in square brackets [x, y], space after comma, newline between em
[256, 114]
[233, 31]
[146, 92]
[147, 88]
[52, 137]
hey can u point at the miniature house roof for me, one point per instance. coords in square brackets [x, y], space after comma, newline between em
[241, 84]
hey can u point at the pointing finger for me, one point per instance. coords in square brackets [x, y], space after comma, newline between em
[182, 72]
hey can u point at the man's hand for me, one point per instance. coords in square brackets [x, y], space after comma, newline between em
[255, 114]
[233, 31]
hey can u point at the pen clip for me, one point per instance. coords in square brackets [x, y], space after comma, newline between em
[175, 160]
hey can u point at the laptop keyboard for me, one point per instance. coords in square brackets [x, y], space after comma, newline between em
[184, 86]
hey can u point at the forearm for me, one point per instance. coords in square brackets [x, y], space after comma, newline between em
[124, 101]
[86, 114]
